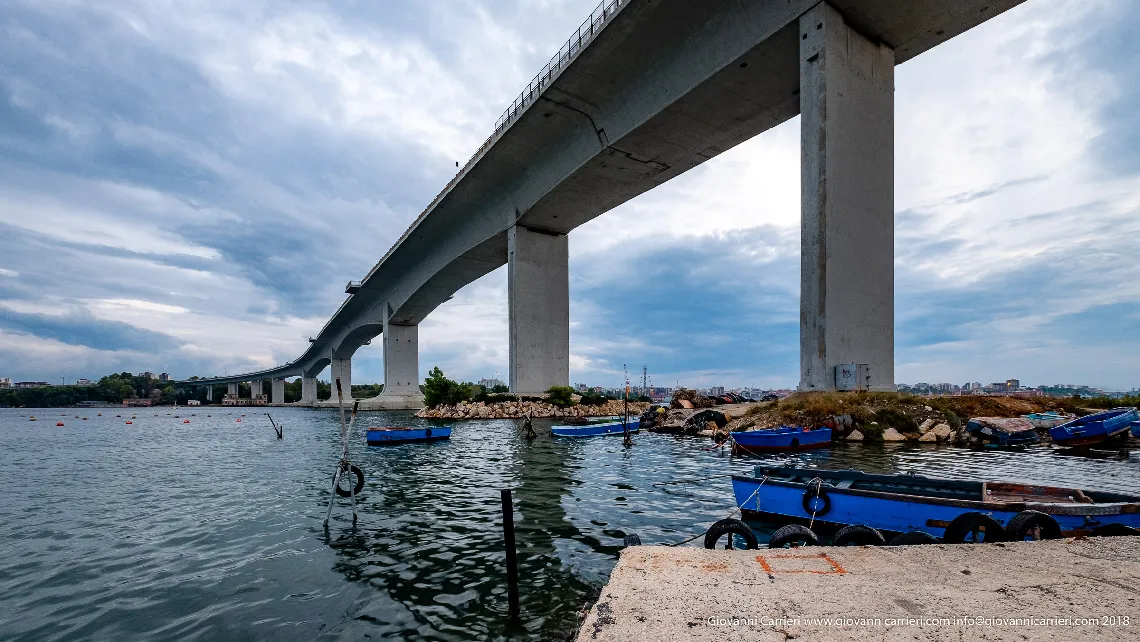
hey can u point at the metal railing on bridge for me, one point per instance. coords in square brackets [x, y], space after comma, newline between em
[577, 42]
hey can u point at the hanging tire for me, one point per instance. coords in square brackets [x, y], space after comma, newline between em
[859, 535]
[793, 535]
[1115, 530]
[631, 539]
[969, 523]
[731, 527]
[1032, 523]
[816, 502]
[914, 538]
[359, 483]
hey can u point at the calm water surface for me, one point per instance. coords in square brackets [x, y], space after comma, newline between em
[212, 530]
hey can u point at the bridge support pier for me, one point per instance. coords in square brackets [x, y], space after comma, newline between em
[401, 370]
[342, 369]
[308, 391]
[209, 393]
[538, 292]
[847, 183]
[233, 389]
[277, 391]
[255, 388]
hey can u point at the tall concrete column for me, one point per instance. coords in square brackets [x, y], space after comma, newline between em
[255, 388]
[308, 390]
[233, 389]
[538, 292]
[401, 367]
[847, 239]
[342, 368]
[209, 393]
[278, 390]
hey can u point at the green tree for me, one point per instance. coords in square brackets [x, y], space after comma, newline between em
[560, 396]
[441, 391]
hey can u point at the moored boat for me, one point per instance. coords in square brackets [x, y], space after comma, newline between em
[1003, 431]
[596, 429]
[1095, 428]
[782, 439]
[949, 509]
[1136, 429]
[1048, 419]
[407, 434]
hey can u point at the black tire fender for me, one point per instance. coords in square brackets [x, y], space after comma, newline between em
[791, 535]
[809, 499]
[967, 523]
[1028, 521]
[859, 535]
[731, 527]
[913, 538]
[359, 483]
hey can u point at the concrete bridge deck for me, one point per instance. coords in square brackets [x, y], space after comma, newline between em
[644, 91]
[882, 593]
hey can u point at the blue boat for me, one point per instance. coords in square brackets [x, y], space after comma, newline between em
[1003, 431]
[905, 503]
[405, 435]
[596, 430]
[1048, 419]
[1094, 429]
[782, 439]
[1136, 429]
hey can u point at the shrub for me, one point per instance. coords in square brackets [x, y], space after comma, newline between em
[590, 398]
[441, 391]
[560, 396]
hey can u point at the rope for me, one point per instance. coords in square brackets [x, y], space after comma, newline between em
[734, 511]
[818, 486]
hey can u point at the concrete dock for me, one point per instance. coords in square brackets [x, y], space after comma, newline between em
[1069, 589]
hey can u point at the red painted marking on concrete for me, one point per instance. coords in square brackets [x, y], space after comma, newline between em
[836, 569]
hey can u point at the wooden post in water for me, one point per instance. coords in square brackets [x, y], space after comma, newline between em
[512, 559]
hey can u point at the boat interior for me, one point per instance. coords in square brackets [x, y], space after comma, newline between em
[918, 485]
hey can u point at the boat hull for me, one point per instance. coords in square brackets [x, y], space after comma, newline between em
[1136, 429]
[788, 438]
[1003, 431]
[595, 430]
[392, 436]
[783, 501]
[1094, 429]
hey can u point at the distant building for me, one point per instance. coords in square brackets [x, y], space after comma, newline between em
[148, 375]
[716, 391]
[1012, 384]
[84, 382]
[136, 402]
[490, 383]
[193, 402]
[31, 384]
[5, 382]
[164, 377]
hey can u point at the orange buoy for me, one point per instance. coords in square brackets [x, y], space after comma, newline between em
[185, 421]
[59, 423]
[238, 421]
[128, 423]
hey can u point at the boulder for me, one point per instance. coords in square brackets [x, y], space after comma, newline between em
[890, 434]
[943, 431]
[855, 435]
[925, 426]
[929, 437]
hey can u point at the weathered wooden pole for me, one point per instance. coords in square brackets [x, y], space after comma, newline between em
[512, 558]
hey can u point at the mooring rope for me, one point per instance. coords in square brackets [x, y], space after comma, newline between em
[734, 511]
[818, 486]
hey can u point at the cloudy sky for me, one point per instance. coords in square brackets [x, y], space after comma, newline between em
[187, 186]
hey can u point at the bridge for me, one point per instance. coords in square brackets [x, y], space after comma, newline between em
[643, 91]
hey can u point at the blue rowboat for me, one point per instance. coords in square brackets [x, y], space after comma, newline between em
[1048, 419]
[1003, 431]
[782, 439]
[1136, 429]
[596, 430]
[904, 503]
[1094, 429]
[405, 435]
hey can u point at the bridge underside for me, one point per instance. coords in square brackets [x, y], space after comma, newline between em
[665, 86]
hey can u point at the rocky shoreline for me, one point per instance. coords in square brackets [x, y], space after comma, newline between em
[534, 409]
